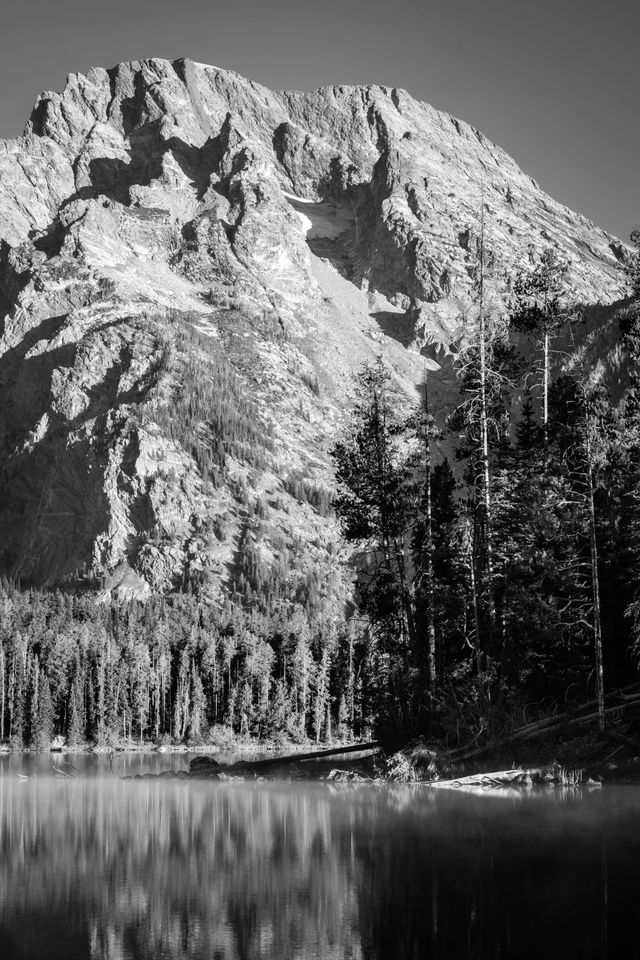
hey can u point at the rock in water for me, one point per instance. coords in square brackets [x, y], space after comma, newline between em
[191, 268]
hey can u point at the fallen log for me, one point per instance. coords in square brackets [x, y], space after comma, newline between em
[589, 774]
[208, 766]
[544, 727]
[500, 778]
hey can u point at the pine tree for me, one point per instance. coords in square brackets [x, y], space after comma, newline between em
[527, 432]
[322, 700]
[372, 508]
[139, 681]
[585, 432]
[182, 701]
[76, 731]
[423, 428]
[198, 706]
[343, 719]
[18, 691]
[42, 727]
[279, 708]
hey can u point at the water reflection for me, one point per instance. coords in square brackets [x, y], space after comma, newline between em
[104, 869]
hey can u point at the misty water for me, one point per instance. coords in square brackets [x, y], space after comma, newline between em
[97, 867]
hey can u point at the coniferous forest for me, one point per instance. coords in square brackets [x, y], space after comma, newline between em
[495, 555]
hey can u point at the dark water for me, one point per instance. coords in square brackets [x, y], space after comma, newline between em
[99, 868]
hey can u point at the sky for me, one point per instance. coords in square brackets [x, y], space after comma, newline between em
[554, 82]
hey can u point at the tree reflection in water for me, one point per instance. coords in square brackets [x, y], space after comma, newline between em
[108, 869]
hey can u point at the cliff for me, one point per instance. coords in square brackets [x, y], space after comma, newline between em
[191, 269]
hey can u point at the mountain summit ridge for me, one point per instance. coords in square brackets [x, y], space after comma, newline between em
[174, 237]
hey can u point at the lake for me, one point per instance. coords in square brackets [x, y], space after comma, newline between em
[96, 867]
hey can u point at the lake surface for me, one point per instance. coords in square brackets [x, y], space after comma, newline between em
[101, 868]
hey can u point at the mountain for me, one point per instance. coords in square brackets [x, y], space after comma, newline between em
[192, 267]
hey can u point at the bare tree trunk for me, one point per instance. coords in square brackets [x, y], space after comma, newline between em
[474, 597]
[484, 438]
[545, 396]
[35, 697]
[595, 586]
[351, 683]
[409, 621]
[431, 605]
[12, 693]
[157, 700]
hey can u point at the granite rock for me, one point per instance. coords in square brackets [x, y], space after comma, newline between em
[161, 218]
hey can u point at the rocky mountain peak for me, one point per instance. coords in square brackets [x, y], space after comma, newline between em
[191, 268]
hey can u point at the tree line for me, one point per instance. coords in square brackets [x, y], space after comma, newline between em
[176, 670]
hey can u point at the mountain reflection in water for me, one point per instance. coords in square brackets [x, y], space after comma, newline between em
[101, 868]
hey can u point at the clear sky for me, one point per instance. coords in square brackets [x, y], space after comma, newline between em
[554, 82]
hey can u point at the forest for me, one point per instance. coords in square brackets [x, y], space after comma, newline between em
[502, 581]
[496, 553]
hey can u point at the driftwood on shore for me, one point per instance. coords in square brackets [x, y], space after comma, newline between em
[594, 774]
[499, 778]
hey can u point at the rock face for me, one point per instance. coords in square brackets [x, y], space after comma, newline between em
[191, 268]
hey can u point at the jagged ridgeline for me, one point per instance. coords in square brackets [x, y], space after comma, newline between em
[192, 270]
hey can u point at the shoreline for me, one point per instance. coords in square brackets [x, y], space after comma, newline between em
[129, 747]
